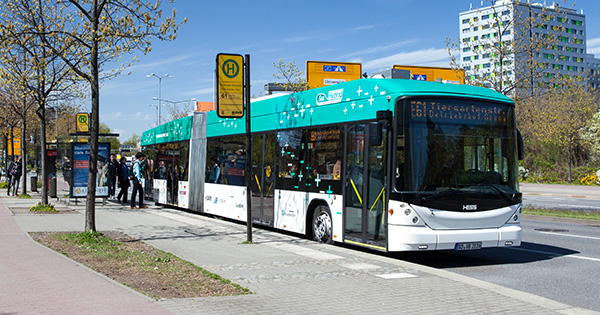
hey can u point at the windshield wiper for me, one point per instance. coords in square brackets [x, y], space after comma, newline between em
[506, 196]
[444, 193]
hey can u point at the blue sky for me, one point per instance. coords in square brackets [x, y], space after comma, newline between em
[376, 33]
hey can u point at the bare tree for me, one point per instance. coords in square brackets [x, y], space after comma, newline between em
[47, 78]
[87, 34]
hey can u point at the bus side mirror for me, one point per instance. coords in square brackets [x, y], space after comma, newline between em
[375, 134]
[520, 150]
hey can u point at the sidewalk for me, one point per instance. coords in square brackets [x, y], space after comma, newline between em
[286, 274]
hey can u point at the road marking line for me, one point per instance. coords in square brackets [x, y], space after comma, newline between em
[401, 275]
[583, 257]
[572, 235]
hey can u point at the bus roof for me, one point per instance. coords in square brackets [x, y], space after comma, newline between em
[351, 101]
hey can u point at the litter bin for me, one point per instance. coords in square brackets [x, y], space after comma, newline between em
[33, 183]
[52, 187]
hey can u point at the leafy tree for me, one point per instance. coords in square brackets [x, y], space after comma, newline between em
[115, 144]
[133, 141]
[88, 34]
[558, 117]
[291, 74]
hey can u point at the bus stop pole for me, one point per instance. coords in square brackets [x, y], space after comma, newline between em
[248, 151]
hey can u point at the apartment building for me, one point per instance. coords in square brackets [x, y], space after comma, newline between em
[523, 22]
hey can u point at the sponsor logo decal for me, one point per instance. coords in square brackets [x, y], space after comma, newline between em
[332, 97]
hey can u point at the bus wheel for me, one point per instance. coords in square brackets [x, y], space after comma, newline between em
[321, 225]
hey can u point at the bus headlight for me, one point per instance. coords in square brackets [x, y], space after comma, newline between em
[515, 218]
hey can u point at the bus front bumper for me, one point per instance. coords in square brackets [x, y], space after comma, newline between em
[418, 238]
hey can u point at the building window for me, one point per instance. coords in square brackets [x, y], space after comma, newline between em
[465, 21]
[466, 30]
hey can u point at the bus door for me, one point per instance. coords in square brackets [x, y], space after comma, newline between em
[263, 178]
[364, 221]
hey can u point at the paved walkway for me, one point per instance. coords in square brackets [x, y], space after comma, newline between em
[287, 274]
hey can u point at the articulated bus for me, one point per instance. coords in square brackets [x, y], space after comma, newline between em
[388, 164]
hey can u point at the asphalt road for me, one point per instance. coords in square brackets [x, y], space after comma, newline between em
[558, 260]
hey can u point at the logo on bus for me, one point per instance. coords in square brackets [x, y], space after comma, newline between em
[334, 96]
[469, 207]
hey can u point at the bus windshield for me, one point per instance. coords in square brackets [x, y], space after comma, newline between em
[450, 145]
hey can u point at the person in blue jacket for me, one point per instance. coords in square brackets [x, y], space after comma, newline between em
[138, 179]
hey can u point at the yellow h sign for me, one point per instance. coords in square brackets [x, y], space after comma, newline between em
[83, 122]
[230, 86]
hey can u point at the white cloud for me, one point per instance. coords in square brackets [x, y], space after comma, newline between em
[378, 49]
[593, 46]
[361, 28]
[120, 116]
[425, 57]
[296, 39]
[204, 91]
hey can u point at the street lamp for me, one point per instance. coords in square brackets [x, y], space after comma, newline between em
[159, 88]
[156, 105]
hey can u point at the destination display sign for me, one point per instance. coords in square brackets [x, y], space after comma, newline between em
[458, 111]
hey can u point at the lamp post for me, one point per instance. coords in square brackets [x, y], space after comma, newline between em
[155, 105]
[159, 88]
[174, 102]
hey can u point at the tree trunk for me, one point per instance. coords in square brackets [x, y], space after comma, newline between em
[569, 160]
[23, 155]
[90, 215]
[44, 153]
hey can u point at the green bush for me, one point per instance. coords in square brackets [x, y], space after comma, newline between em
[3, 185]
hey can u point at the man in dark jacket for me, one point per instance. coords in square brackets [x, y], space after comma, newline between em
[8, 176]
[112, 175]
[15, 174]
[123, 179]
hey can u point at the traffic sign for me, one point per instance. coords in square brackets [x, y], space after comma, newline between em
[324, 73]
[83, 122]
[230, 86]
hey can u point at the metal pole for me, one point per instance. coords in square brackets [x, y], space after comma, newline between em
[159, 96]
[248, 151]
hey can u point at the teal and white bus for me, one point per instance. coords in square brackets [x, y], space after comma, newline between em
[388, 164]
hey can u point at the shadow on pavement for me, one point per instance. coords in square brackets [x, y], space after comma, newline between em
[526, 253]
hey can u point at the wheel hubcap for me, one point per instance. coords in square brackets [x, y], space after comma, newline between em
[322, 227]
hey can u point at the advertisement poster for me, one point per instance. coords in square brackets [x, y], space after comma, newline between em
[80, 169]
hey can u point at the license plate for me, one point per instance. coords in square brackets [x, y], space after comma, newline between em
[468, 246]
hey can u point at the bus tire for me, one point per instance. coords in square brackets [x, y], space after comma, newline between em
[322, 227]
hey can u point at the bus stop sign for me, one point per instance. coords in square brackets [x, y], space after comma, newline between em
[230, 86]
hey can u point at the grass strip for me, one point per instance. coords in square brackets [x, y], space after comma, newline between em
[586, 215]
[138, 265]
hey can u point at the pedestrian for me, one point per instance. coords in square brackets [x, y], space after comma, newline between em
[215, 171]
[138, 179]
[123, 179]
[9, 176]
[15, 175]
[112, 176]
